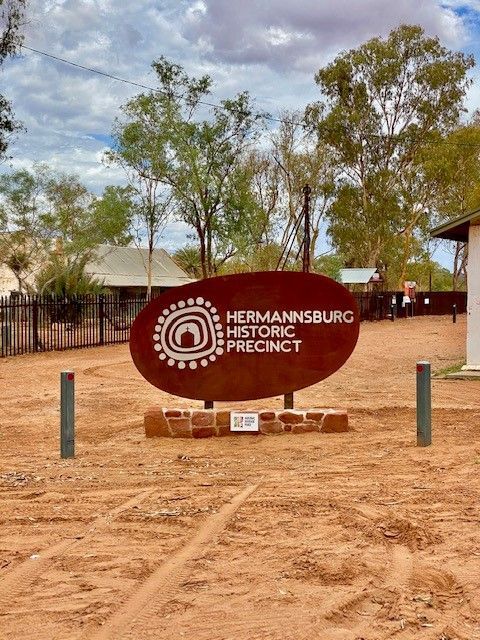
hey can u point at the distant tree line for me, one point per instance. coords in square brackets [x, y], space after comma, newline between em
[386, 151]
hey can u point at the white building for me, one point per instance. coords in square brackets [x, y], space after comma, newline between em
[466, 228]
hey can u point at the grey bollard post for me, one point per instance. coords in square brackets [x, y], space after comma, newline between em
[424, 404]
[67, 414]
[454, 313]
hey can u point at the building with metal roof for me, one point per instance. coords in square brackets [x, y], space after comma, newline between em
[122, 270]
[125, 269]
[361, 279]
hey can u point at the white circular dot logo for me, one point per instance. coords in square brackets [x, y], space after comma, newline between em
[189, 334]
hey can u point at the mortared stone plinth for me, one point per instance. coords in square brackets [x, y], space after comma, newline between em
[196, 423]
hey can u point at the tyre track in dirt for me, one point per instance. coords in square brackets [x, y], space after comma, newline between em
[448, 587]
[133, 619]
[98, 371]
[399, 571]
[21, 577]
[333, 614]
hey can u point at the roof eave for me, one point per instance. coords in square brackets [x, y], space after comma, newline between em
[456, 229]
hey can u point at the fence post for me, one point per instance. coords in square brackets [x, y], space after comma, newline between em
[35, 324]
[101, 317]
[67, 414]
[424, 404]
[6, 327]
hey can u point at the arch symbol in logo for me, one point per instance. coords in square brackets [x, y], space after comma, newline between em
[189, 334]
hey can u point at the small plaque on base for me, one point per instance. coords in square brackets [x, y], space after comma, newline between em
[243, 422]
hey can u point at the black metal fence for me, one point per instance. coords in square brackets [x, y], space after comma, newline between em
[35, 323]
[379, 306]
[31, 324]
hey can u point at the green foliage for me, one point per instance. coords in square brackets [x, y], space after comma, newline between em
[42, 210]
[188, 259]
[421, 271]
[197, 163]
[113, 213]
[23, 235]
[258, 258]
[329, 265]
[63, 277]
[454, 171]
[302, 157]
[11, 20]
[384, 103]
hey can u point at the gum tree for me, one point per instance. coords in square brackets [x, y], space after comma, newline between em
[50, 217]
[383, 103]
[193, 155]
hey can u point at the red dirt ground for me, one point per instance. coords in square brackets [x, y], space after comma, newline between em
[330, 536]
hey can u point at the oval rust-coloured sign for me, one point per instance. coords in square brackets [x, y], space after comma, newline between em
[245, 336]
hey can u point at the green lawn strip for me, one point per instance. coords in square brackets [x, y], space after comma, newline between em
[453, 368]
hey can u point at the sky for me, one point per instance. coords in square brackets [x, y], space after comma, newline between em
[272, 48]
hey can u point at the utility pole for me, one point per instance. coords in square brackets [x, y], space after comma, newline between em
[306, 242]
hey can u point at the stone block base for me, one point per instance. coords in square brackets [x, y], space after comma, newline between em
[193, 423]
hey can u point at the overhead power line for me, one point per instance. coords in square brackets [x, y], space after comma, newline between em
[97, 71]
[105, 74]
[205, 103]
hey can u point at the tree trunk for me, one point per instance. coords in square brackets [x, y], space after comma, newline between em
[203, 253]
[407, 236]
[149, 266]
[19, 281]
[209, 249]
[459, 263]
[313, 244]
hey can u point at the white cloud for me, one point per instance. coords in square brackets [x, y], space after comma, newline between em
[298, 35]
[270, 48]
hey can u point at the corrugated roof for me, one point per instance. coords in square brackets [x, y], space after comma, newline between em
[356, 276]
[127, 267]
[457, 229]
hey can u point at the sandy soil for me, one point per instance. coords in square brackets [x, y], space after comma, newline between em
[331, 536]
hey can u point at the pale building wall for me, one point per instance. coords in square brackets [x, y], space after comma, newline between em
[8, 282]
[473, 303]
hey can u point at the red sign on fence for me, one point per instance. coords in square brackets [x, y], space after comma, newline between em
[245, 336]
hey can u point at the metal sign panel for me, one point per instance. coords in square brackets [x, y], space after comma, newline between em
[245, 336]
